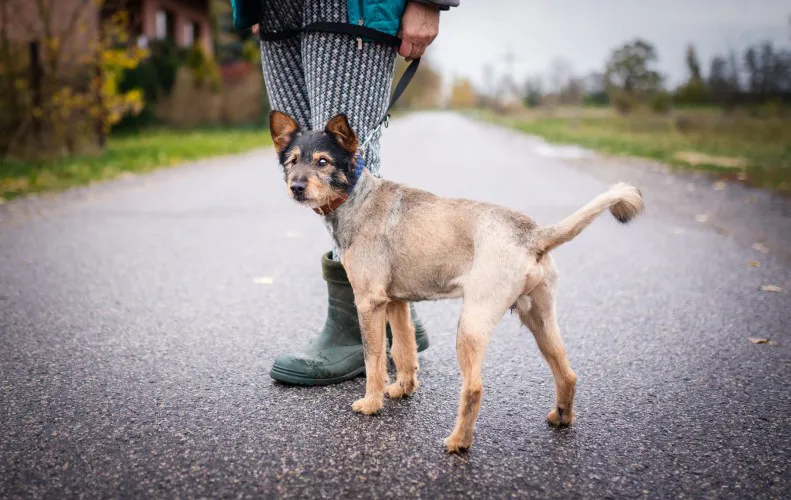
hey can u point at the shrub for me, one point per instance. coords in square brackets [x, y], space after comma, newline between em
[155, 76]
[686, 124]
[661, 103]
[623, 102]
[204, 68]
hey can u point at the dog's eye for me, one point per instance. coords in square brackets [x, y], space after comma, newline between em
[323, 162]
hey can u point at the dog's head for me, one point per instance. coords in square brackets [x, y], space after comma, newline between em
[319, 166]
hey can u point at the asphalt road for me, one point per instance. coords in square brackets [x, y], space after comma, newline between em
[139, 319]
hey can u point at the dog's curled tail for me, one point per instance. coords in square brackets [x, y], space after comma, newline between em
[624, 201]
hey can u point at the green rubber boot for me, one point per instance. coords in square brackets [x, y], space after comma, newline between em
[336, 355]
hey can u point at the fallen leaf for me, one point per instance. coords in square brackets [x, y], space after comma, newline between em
[694, 158]
[771, 288]
[702, 218]
[760, 247]
[719, 185]
[264, 280]
[753, 263]
[756, 340]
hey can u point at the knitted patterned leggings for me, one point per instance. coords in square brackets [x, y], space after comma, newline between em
[315, 76]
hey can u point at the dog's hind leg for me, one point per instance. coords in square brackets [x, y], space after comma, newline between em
[404, 350]
[537, 312]
[477, 321]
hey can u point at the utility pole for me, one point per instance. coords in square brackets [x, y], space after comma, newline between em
[509, 59]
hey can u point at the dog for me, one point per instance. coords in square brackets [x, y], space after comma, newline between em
[401, 245]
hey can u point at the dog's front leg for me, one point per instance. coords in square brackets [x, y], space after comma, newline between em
[372, 311]
[404, 350]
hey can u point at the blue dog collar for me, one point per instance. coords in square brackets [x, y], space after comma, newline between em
[359, 165]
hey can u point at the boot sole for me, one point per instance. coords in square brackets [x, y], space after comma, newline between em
[294, 378]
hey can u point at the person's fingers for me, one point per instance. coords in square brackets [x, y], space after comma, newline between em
[256, 28]
[417, 51]
[406, 48]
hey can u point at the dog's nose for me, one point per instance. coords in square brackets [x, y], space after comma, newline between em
[298, 186]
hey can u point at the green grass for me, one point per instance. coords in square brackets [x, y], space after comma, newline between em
[761, 145]
[129, 153]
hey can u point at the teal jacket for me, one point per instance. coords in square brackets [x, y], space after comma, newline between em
[381, 15]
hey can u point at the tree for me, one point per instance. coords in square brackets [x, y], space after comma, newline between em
[463, 95]
[719, 80]
[735, 71]
[694, 91]
[534, 91]
[768, 71]
[596, 89]
[560, 72]
[573, 92]
[426, 87]
[723, 81]
[753, 67]
[630, 69]
[64, 95]
[693, 65]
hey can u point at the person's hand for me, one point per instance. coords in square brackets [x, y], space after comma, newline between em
[419, 27]
[256, 29]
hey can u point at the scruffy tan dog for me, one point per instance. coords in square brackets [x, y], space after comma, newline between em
[401, 245]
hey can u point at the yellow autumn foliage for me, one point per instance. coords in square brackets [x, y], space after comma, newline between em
[78, 99]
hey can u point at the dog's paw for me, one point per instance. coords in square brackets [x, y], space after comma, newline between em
[398, 390]
[560, 417]
[368, 406]
[457, 444]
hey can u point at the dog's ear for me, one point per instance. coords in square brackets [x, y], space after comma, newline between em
[282, 127]
[339, 128]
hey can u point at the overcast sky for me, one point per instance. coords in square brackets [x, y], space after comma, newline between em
[585, 32]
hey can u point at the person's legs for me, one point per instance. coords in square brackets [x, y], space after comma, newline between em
[343, 77]
[314, 78]
[282, 62]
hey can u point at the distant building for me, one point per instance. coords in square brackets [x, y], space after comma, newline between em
[75, 23]
[185, 22]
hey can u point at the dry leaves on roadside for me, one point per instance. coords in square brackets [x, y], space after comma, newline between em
[771, 288]
[760, 247]
[760, 340]
[753, 263]
[702, 218]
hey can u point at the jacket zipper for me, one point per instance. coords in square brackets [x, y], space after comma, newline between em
[360, 22]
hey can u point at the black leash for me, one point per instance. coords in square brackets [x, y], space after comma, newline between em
[358, 32]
